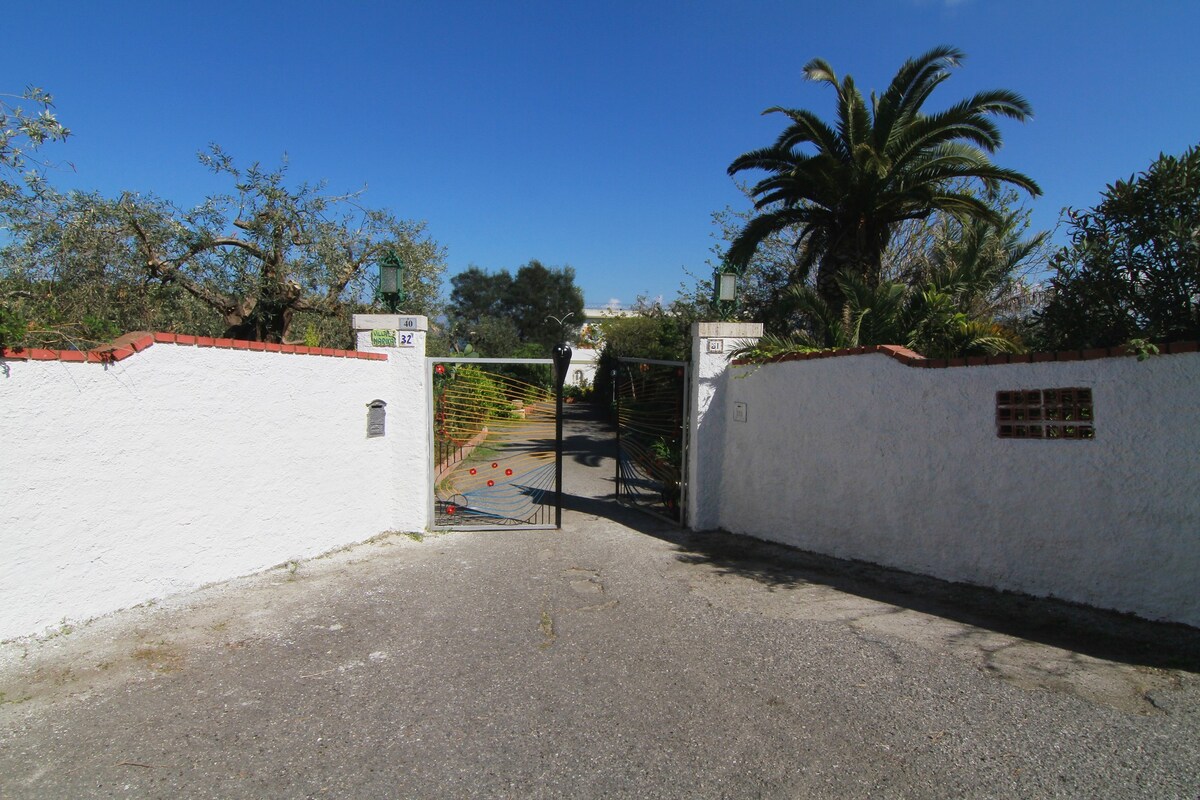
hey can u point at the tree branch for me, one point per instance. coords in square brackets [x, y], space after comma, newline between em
[233, 241]
[345, 275]
[168, 269]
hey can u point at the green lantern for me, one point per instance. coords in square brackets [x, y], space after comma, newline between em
[725, 288]
[391, 281]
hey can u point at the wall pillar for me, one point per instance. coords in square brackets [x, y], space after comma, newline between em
[712, 342]
[402, 338]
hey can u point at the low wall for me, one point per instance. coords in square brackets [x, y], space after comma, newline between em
[870, 456]
[172, 462]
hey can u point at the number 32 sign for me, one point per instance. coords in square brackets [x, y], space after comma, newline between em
[393, 339]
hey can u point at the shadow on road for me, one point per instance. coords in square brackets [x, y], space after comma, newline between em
[589, 470]
[590, 447]
[1070, 626]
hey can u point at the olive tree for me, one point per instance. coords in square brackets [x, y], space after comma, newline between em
[269, 251]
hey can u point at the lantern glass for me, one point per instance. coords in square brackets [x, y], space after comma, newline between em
[727, 287]
[389, 279]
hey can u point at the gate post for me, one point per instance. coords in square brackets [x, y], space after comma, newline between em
[402, 339]
[562, 362]
[712, 342]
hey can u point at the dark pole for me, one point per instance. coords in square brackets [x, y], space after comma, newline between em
[562, 362]
[616, 402]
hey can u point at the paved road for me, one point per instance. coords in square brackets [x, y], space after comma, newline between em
[617, 658]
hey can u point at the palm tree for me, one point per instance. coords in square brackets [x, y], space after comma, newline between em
[986, 265]
[877, 167]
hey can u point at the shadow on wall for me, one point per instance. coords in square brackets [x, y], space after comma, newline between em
[711, 415]
[1101, 634]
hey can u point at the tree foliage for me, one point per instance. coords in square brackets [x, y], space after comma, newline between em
[1132, 269]
[270, 261]
[271, 250]
[844, 188]
[27, 122]
[477, 294]
[772, 269]
[926, 319]
[651, 331]
[504, 315]
[71, 280]
[777, 267]
[949, 287]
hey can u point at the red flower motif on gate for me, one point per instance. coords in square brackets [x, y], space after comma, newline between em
[440, 369]
[450, 509]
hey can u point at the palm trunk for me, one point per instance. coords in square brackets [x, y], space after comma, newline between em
[860, 255]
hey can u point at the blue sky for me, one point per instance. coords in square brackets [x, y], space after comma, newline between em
[590, 134]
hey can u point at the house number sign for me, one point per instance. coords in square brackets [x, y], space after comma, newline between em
[393, 339]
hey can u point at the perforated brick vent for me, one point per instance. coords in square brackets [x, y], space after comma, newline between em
[1045, 414]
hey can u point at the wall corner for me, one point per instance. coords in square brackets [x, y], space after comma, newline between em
[402, 338]
[712, 343]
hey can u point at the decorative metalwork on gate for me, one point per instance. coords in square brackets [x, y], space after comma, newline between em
[493, 443]
[652, 424]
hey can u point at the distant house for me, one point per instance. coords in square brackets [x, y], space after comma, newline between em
[586, 353]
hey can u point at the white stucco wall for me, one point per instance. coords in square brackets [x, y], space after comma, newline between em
[863, 457]
[712, 342]
[408, 416]
[184, 465]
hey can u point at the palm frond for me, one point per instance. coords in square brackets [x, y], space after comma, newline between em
[808, 128]
[848, 182]
[912, 85]
[818, 69]
[743, 247]
[824, 324]
[765, 158]
[1002, 102]
[773, 347]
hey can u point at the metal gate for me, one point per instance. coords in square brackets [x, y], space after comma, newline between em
[652, 430]
[495, 444]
